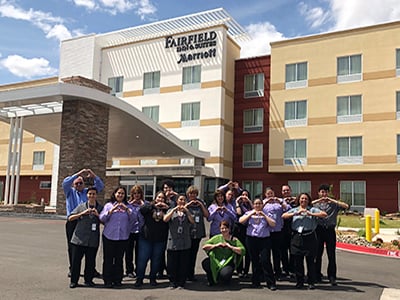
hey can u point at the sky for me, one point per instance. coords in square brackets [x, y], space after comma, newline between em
[31, 31]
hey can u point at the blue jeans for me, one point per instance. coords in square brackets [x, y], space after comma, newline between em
[149, 250]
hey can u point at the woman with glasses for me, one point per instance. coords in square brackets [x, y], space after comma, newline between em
[136, 200]
[220, 210]
[117, 217]
[258, 243]
[152, 238]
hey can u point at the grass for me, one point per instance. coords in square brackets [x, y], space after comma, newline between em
[354, 221]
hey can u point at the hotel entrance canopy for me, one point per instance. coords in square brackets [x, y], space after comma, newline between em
[131, 133]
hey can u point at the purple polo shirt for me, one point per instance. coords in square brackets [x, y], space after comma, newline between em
[257, 226]
[215, 217]
[275, 211]
[117, 226]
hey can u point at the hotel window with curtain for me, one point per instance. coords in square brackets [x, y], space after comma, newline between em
[397, 62]
[116, 84]
[38, 160]
[252, 155]
[191, 77]
[255, 188]
[253, 120]
[349, 109]
[295, 113]
[353, 193]
[349, 150]
[296, 75]
[152, 112]
[300, 187]
[254, 85]
[398, 105]
[151, 82]
[190, 114]
[349, 68]
[295, 152]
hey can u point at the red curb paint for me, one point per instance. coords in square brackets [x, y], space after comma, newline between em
[368, 250]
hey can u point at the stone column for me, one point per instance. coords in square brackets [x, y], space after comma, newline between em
[83, 138]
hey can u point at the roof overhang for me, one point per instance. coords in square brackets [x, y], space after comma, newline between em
[131, 133]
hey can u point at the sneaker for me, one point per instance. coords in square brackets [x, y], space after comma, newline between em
[332, 281]
[131, 275]
[272, 287]
[73, 285]
[97, 274]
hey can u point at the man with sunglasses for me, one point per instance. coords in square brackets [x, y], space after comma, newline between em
[75, 194]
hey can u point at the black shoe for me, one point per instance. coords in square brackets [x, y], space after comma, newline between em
[256, 286]
[161, 276]
[139, 282]
[153, 282]
[332, 281]
[108, 285]
[311, 286]
[73, 285]
[192, 279]
[299, 285]
[131, 275]
[89, 283]
[272, 287]
[117, 284]
[97, 275]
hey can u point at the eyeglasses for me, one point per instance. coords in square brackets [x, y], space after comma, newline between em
[79, 183]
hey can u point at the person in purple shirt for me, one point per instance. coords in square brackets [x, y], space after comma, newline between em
[117, 218]
[275, 207]
[219, 211]
[258, 243]
[76, 194]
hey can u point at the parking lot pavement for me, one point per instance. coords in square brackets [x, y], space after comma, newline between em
[33, 265]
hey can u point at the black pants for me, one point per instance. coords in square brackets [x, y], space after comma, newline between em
[132, 246]
[286, 258]
[194, 249]
[69, 232]
[224, 275]
[177, 266]
[304, 246]
[276, 247]
[78, 252]
[326, 236]
[240, 233]
[260, 254]
[113, 252]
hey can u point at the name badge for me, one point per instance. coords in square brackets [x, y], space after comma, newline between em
[180, 229]
[300, 229]
[94, 226]
[197, 219]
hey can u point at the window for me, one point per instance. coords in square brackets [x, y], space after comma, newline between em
[45, 185]
[300, 187]
[192, 143]
[295, 152]
[115, 83]
[398, 105]
[296, 75]
[254, 85]
[38, 160]
[252, 155]
[190, 114]
[255, 188]
[349, 150]
[151, 82]
[397, 62]
[353, 193]
[349, 109]
[148, 162]
[39, 139]
[253, 120]
[295, 113]
[191, 77]
[152, 112]
[349, 68]
[398, 148]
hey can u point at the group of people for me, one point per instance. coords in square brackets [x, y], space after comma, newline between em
[168, 231]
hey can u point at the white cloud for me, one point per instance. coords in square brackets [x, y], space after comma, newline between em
[59, 32]
[27, 68]
[145, 8]
[261, 35]
[357, 13]
[45, 21]
[315, 16]
[89, 4]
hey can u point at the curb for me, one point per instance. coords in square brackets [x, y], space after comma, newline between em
[368, 250]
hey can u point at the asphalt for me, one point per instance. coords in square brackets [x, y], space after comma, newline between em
[33, 265]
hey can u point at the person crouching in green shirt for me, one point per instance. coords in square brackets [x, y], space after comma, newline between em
[224, 254]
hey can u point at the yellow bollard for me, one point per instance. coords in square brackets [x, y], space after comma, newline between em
[368, 233]
[377, 221]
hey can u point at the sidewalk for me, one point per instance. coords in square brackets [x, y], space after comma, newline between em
[386, 234]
